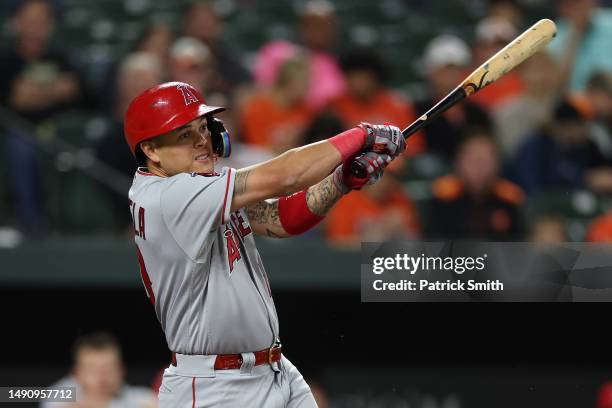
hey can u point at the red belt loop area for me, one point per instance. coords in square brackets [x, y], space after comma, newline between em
[234, 361]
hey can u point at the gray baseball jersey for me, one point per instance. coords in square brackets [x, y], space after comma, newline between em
[199, 264]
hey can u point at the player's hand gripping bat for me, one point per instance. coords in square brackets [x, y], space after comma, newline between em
[522, 47]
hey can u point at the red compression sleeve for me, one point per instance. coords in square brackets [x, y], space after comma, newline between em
[349, 142]
[295, 216]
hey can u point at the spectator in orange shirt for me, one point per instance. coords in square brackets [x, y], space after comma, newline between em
[367, 99]
[379, 212]
[474, 202]
[493, 34]
[276, 118]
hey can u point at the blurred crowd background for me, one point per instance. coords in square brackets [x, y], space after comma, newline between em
[527, 159]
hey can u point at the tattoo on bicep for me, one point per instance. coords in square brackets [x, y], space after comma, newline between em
[264, 212]
[240, 181]
[322, 196]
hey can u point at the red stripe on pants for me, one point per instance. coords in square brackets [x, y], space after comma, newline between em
[193, 392]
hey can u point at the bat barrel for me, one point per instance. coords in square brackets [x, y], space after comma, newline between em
[534, 39]
[528, 43]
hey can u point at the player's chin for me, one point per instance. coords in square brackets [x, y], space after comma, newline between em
[203, 166]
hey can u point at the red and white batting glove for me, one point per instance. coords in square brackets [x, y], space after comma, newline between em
[375, 164]
[385, 138]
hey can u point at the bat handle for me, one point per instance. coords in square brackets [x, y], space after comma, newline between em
[358, 167]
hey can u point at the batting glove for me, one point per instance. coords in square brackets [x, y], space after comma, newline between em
[383, 139]
[373, 162]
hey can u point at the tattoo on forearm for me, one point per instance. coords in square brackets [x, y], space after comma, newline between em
[272, 234]
[264, 212]
[322, 196]
[240, 181]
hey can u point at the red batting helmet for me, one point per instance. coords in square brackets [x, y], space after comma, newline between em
[161, 109]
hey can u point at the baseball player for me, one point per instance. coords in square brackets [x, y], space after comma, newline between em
[194, 240]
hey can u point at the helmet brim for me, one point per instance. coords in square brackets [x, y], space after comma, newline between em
[204, 110]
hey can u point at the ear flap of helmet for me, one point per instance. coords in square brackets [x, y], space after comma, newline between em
[222, 146]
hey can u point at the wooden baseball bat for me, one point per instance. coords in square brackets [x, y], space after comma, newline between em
[518, 50]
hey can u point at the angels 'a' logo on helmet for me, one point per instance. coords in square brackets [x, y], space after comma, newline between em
[188, 96]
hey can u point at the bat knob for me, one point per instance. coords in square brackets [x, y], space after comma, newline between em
[358, 169]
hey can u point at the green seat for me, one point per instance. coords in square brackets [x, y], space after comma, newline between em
[74, 202]
[577, 208]
[427, 167]
[579, 204]
[73, 199]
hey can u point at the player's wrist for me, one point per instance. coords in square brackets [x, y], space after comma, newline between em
[350, 142]
[338, 179]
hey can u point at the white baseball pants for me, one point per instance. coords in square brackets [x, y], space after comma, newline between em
[194, 383]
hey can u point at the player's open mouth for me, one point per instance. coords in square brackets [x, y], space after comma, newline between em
[202, 157]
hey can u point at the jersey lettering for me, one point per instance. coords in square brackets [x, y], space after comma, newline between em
[188, 96]
[144, 275]
[240, 224]
[141, 222]
[139, 227]
[233, 253]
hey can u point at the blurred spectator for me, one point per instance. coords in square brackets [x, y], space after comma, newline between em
[36, 84]
[276, 118]
[98, 375]
[548, 229]
[317, 27]
[597, 100]
[509, 10]
[584, 35]
[561, 156]
[367, 99]
[380, 212]
[202, 22]
[137, 72]
[155, 39]
[191, 62]
[523, 114]
[474, 202]
[493, 34]
[323, 126]
[446, 59]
